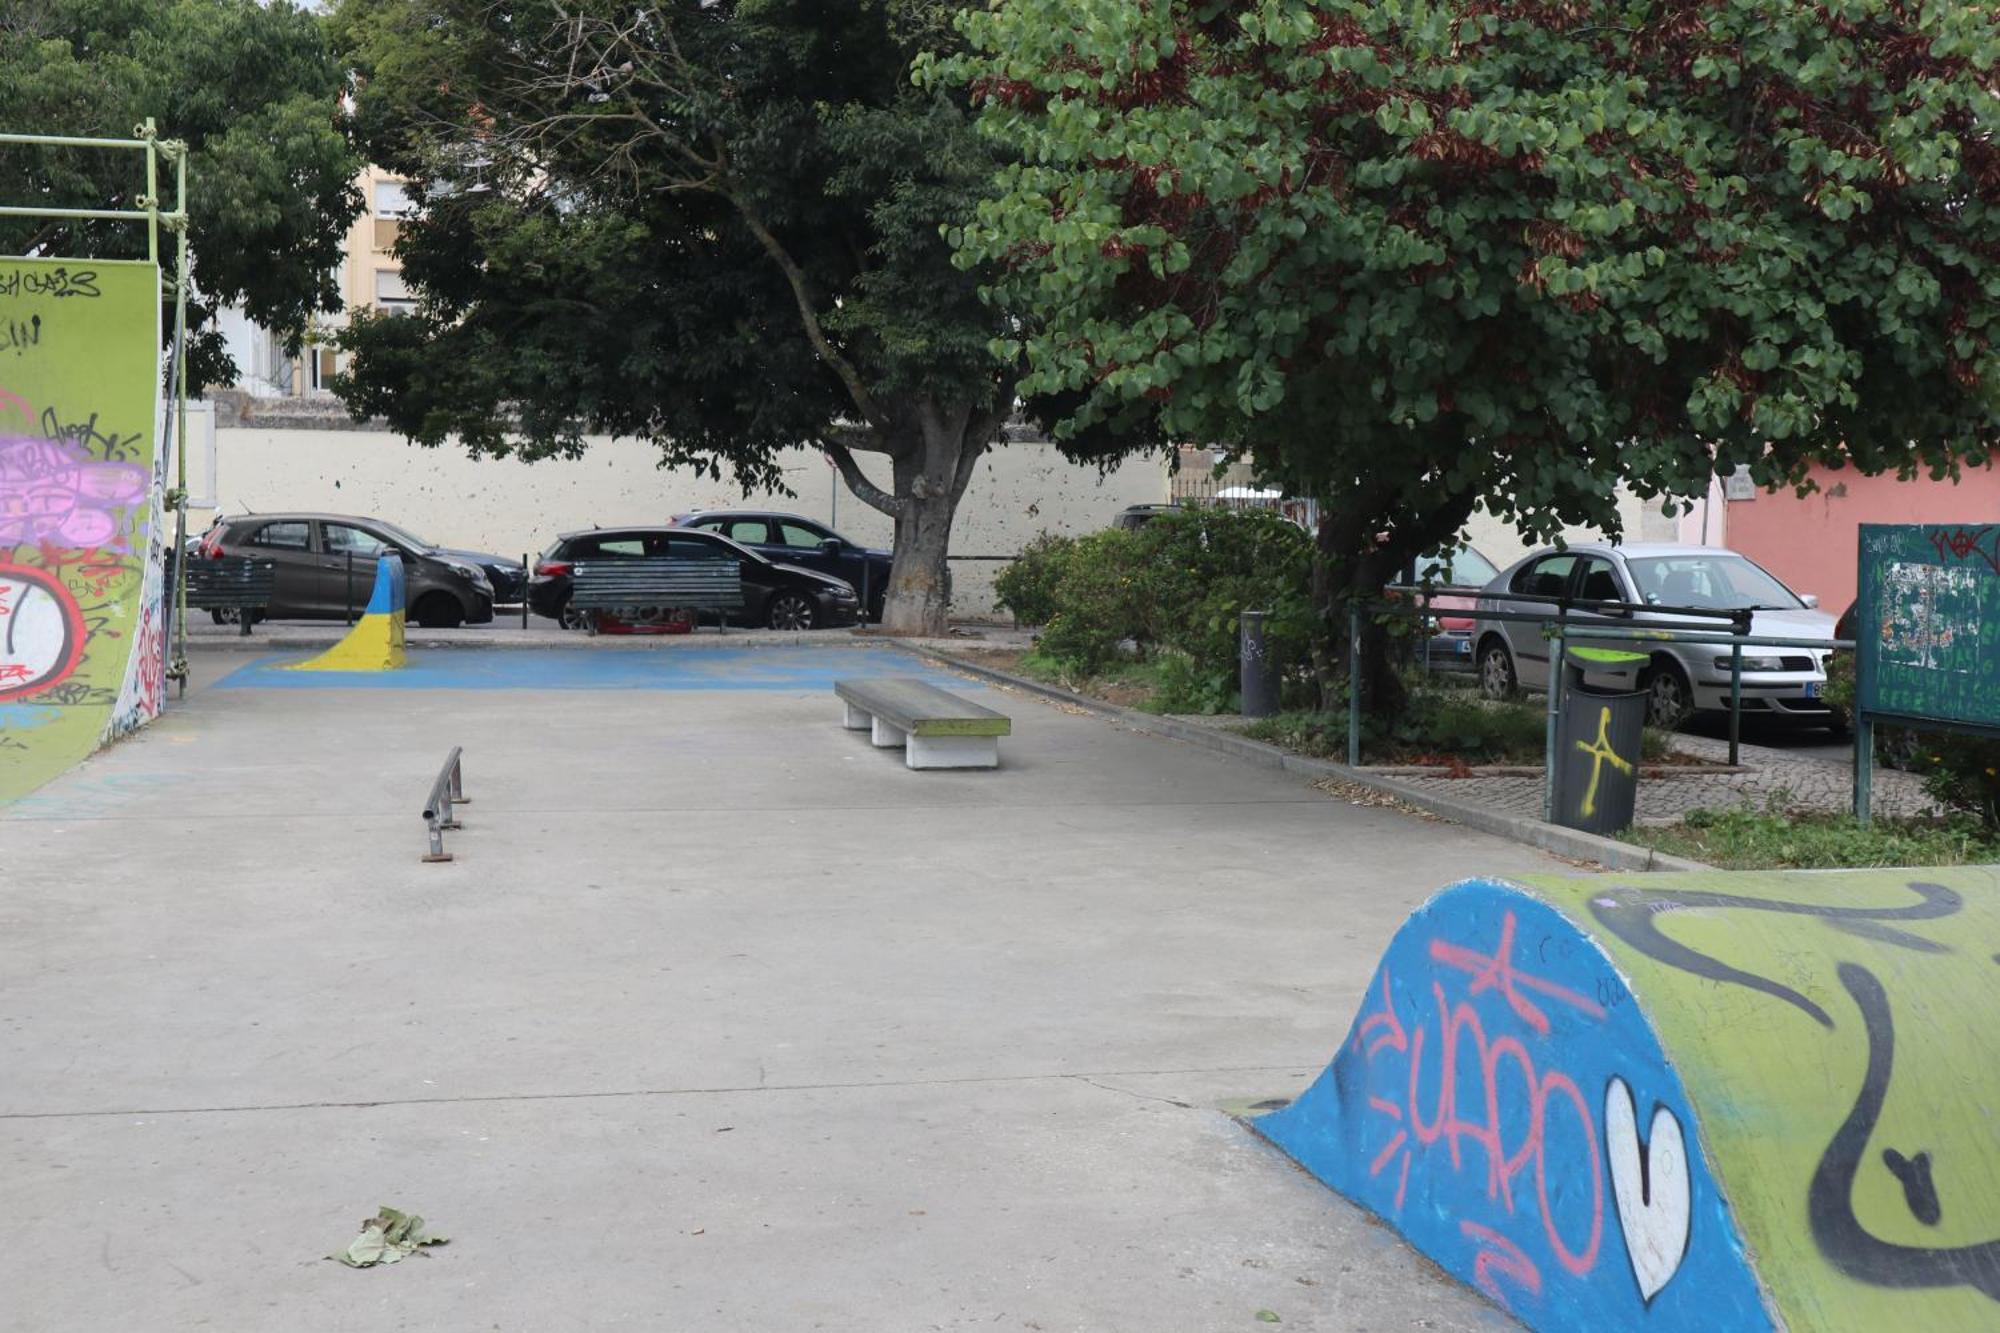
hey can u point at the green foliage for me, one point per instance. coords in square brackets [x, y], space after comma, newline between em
[1026, 589]
[1180, 583]
[1439, 726]
[1102, 599]
[1413, 256]
[253, 89]
[1778, 839]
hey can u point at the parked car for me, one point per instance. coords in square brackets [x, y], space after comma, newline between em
[1678, 678]
[792, 540]
[781, 596]
[1449, 645]
[1133, 517]
[313, 555]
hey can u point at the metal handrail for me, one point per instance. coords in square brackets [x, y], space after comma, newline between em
[447, 791]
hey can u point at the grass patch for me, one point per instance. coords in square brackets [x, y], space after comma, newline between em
[1778, 839]
[1439, 728]
[1128, 684]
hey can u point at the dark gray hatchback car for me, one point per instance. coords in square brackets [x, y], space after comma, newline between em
[325, 567]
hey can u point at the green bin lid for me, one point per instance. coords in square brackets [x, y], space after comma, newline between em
[1608, 656]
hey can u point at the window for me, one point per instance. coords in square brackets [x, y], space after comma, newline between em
[339, 539]
[392, 200]
[392, 294]
[686, 546]
[1710, 582]
[792, 534]
[289, 536]
[1547, 577]
[1600, 582]
[601, 548]
[745, 530]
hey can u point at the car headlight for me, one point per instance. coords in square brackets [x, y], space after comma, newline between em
[472, 572]
[1752, 663]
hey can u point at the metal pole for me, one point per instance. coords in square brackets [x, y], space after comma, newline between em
[458, 782]
[1735, 703]
[1354, 685]
[350, 587]
[1555, 704]
[1864, 766]
[867, 586]
[524, 589]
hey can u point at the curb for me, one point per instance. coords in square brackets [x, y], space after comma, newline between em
[1607, 852]
[475, 642]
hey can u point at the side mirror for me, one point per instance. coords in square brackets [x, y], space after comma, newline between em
[1811, 599]
[831, 546]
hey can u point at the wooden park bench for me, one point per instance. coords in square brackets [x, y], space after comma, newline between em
[936, 729]
[656, 583]
[233, 583]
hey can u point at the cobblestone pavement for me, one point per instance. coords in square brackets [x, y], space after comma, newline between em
[1776, 777]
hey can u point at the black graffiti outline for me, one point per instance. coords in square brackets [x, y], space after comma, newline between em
[1643, 1135]
[1848, 1245]
[1919, 1190]
[1631, 915]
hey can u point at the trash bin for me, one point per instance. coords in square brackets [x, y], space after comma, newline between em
[1597, 746]
[1257, 675]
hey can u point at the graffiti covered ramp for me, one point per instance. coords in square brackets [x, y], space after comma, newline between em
[1711, 1101]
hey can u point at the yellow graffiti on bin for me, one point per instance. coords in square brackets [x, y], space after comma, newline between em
[1600, 753]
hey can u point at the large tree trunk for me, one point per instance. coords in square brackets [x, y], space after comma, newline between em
[933, 450]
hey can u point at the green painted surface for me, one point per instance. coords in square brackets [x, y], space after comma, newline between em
[81, 635]
[1928, 616]
[1761, 1001]
[922, 709]
[1608, 656]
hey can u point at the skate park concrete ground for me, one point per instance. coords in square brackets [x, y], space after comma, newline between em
[721, 1018]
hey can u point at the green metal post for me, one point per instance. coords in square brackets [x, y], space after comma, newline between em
[1735, 703]
[1864, 766]
[1555, 704]
[1354, 685]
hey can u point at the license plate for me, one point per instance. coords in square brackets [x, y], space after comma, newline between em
[1814, 688]
[1464, 648]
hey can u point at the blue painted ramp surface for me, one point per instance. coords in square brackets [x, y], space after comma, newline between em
[677, 668]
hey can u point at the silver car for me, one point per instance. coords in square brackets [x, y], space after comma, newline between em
[1679, 678]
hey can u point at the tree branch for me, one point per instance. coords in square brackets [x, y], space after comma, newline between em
[857, 481]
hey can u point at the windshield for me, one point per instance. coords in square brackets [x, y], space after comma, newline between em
[403, 535]
[1710, 582]
[1463, 568]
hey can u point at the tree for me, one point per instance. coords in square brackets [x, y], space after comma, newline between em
[1418, 256]
[712, 224]
[252, 89]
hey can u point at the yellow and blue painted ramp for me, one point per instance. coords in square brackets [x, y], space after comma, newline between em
[1685, 1102]
[375, 643]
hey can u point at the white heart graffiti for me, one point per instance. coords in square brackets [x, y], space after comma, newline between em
[1650, 1179]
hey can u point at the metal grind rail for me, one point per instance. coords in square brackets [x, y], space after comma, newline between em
[448, 791]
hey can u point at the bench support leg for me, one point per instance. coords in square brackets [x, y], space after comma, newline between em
[855, 719]
[952, 752]
[886, 735]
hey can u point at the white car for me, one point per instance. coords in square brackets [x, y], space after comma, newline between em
[1679, 678]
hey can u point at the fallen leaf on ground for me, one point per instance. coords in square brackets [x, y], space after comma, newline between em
[389, 1237]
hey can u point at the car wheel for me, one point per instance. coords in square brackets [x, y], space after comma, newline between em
[438, 610]
[222, 615]
[1496, 671]
[1669, 697]
[790, 610]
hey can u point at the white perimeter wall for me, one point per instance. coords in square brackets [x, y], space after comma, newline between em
[508, 507]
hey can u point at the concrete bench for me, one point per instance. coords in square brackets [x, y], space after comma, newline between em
[233, 583]
[936, 729]
[598, 586]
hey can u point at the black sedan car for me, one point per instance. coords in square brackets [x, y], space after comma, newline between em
[781, 596]
[801, 541]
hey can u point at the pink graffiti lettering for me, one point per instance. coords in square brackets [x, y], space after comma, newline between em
[54, 491]
[1514, 1144]
[1498, 971]
[1499, 1257]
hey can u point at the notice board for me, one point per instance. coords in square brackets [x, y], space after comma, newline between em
[1927, 623]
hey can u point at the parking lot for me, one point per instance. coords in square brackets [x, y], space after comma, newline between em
[721, 1018]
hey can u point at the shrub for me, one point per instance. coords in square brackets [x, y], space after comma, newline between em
[1027, 588]
[1207, 566]
[1960, 773]
[1101, 600]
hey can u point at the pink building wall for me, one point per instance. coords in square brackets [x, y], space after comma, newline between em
[1812, 544]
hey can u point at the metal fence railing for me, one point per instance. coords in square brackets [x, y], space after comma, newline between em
[448, 791]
